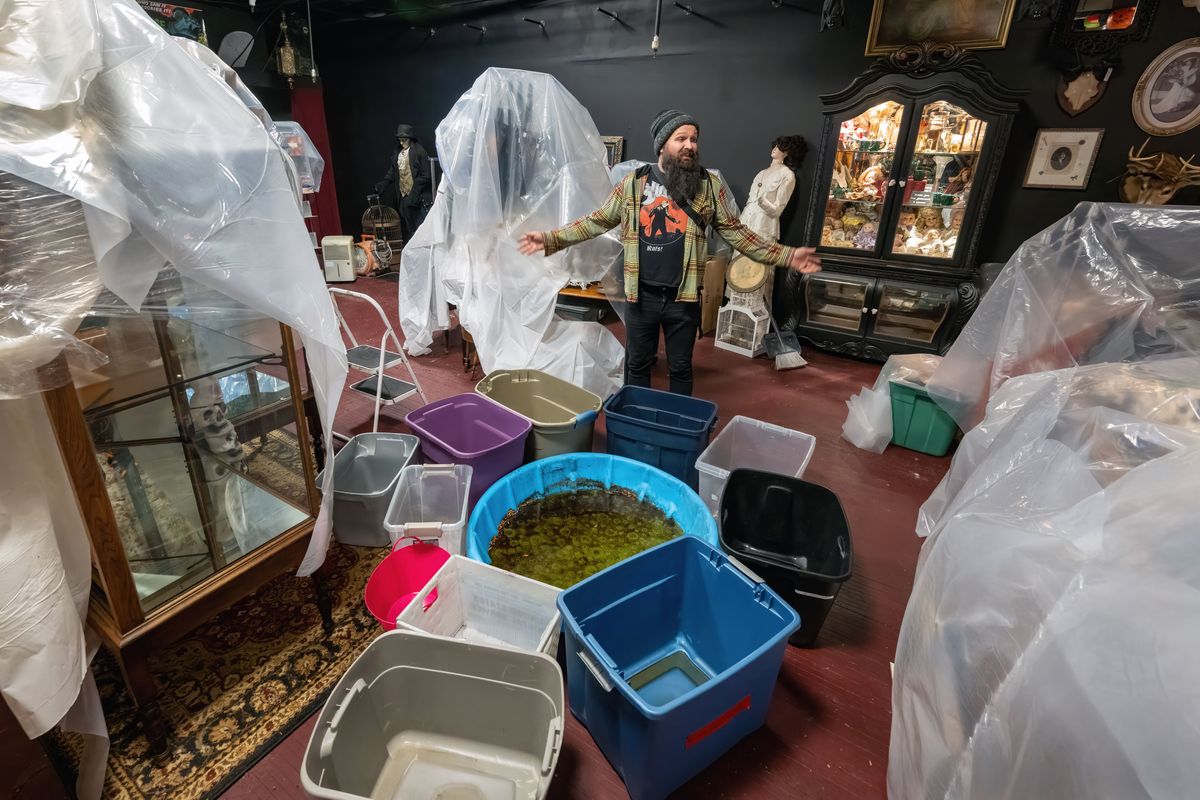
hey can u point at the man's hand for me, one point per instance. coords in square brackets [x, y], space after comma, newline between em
[532, 243]
[805, 261]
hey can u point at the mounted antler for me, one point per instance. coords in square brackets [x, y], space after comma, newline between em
[1154, 179]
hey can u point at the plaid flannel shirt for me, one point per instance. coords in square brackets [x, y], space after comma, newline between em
[714, 207]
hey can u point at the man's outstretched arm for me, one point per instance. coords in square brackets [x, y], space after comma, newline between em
[600, 221]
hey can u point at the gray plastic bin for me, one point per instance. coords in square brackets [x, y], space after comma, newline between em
[365, 472]
[563, 415]
[417, 716]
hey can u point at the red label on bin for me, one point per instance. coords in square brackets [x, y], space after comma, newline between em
[700, 734]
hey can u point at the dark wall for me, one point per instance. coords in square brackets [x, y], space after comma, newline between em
[268, 87]
[753, 74]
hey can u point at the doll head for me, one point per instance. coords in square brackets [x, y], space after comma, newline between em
[929, 217]
[908, 218]
[836, 224]
[793, 149]
[956, 218]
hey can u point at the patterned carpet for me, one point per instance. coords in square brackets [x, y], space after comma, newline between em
[235, 687]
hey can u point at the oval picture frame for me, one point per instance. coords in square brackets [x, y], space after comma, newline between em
[745, 275]
[1166, 100]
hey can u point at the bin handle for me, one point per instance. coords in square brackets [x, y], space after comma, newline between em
[742, 568]
[817, 596]
[586, 418]
[604, 682]
[553, 742]
[331, 734]
[439, 469]
[433, 530]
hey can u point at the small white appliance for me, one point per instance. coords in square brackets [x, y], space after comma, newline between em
[338, 254]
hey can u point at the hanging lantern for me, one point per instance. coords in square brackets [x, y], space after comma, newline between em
[286, 62]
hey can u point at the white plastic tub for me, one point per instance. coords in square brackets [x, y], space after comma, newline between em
[430, 502]
[423, 717]
[747, 443]
[479, 603]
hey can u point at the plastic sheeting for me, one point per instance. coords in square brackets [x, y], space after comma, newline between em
[1106, 283]
[123, 154]
[1048, 648]
[519, 154]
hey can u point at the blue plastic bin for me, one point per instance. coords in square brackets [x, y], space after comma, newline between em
[668, 431]
[672, 657]
[565, 473]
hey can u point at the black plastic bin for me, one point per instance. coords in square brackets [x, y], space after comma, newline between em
[794, 535]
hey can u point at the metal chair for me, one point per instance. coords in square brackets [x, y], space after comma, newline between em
[384, 389]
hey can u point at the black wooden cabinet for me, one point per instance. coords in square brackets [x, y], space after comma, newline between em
[909, 158]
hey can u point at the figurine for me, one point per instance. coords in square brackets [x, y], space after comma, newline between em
[959, 182]
[865, 240]
[908, 218]
[838, 234]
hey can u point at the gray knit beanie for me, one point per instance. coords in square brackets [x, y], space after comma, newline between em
[666, 123]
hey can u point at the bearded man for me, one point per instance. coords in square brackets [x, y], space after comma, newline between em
[665, 211]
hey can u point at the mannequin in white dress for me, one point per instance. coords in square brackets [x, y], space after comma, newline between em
[771, 190]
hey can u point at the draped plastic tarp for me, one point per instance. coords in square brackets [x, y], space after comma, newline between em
[120, 153]
[1049, 646]
[519, 154]
[1106, 283]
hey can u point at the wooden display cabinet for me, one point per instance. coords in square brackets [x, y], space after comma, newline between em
[191, 460]
[909, 159]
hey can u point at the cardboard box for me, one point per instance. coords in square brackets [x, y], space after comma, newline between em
[714, 293]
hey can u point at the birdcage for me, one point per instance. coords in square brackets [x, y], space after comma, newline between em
[382, 224]
[742, 325]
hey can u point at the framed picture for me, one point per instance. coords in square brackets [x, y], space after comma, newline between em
[1166, 100]
[614, 148]
[1062, 158]
[969, 24]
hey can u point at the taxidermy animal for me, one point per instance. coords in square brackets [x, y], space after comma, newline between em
[1154, 179]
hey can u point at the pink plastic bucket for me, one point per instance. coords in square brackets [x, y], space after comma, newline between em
[399, 577]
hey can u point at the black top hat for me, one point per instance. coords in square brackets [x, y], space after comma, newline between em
[405, 132]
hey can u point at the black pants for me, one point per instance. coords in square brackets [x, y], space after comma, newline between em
[657, 308]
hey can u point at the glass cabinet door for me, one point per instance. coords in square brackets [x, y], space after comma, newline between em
[858, 188]
[937, 188]
[911, 312]
[836, 301]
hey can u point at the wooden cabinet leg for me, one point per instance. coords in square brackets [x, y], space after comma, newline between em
[135, 667]
[324, 600]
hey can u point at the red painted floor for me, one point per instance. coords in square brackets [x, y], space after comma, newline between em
[827, 733]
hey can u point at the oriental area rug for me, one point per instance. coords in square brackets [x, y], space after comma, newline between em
[234, 688]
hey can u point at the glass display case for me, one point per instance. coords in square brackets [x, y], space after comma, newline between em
[909, 158]
[190, 454]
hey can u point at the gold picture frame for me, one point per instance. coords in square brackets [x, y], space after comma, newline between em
[968, 24]
[1166, 99]
[614, 149]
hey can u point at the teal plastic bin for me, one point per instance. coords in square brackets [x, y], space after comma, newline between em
[918, 423]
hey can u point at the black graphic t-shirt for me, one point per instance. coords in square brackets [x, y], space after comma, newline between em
[661, 227]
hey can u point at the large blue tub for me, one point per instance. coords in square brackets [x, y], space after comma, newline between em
[563, 474]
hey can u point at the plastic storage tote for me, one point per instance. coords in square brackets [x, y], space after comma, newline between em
[365, 472]
[430, 502]
[474, 430]
[794, 534]
[672, 657]
[478, 603]
[421, 717]
[563, 415]
[665, 430]
[397, 579]
[747, 443]
[918, 423]
[568, 472]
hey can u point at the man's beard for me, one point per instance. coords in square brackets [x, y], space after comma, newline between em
[683, 182]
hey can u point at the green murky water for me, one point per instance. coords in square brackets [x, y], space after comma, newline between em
[560, 539]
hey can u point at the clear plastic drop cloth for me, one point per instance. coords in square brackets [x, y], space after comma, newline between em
[519, 154]
[1049, 648]
[127, 165]
[1107, 283]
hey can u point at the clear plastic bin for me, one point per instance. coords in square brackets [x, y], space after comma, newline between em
[365, 472]
[430, 502]
[747, 443]
[417, 716]
[479, 603]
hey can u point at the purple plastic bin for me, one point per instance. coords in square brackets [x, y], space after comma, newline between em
[471, 429]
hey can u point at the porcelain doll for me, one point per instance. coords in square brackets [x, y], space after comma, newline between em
[772, 187]
[865, 239]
